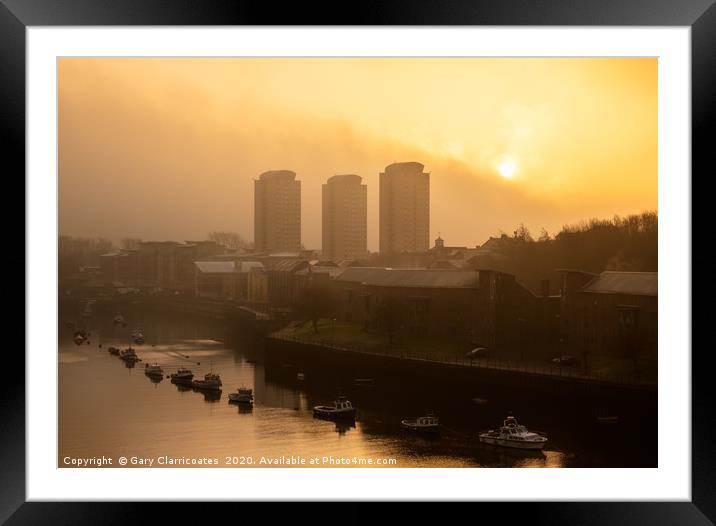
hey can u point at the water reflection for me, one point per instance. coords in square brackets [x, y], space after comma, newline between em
[182, 386]
[144, 418]
[343, 427]
[210, 395]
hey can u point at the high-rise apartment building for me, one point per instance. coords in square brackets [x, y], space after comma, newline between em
[277, 211]
[404, 208]
[345, 212]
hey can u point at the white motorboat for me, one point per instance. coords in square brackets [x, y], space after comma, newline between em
[424, 424]
[153, 370]
[211, 381]
[512, 434]
[341, 409]
[182, 376]
[243, 395]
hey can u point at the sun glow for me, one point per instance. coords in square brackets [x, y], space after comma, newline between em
[507, 168]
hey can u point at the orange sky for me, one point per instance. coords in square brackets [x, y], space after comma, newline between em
[169, 148]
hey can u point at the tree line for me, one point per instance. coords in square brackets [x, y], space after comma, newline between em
[627, 243]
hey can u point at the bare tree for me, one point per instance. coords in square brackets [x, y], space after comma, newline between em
[230, 240]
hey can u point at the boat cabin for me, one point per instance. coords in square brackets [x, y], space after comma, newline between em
[511, 429]
[428, 420]
[342, 403]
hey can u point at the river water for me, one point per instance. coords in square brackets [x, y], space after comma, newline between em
[109, 410]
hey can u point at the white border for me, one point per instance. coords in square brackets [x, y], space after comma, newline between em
[670, 481]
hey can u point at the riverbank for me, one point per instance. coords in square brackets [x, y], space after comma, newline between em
[336, 343]
[247, 317]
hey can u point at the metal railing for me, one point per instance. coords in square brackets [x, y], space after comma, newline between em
[515, 366]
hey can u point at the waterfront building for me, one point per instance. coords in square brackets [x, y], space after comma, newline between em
[613, 313]
[166, 265]
[224, 279]
[481, 308]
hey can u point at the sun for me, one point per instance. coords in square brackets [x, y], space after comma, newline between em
[507, 168]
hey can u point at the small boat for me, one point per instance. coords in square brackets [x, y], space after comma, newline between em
[138, 339]
[512, 434]
[113, 351]
[301, 377]
[80, 337]
[423, 424]
[211, 381]
[479, 401]
[363, 381]
[128, 354]
[153, 370]
[341, 409]
[243, 395]
[118, 320]
[182, 375]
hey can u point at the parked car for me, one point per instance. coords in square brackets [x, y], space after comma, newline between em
[477, 352]
[564, 360]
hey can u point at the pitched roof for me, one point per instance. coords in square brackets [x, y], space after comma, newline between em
[246, 266]
[411, 278]
[332, 271]
[216, 267]
[288, 265]
[617, 282]
[227, 267]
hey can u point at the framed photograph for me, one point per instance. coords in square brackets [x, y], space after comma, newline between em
[410, 256]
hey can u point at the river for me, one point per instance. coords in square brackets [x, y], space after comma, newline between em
[107, 409]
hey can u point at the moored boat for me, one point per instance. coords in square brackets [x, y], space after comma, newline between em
[513, 434]
[128, 355]
[182, 376]
[211, 381]
[424, 424]
[342, 408]
[80, 337]
[153, 370]
[243, 395]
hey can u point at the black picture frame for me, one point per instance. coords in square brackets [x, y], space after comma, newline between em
[699, 15]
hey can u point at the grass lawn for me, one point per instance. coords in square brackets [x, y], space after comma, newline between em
[350, 335]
